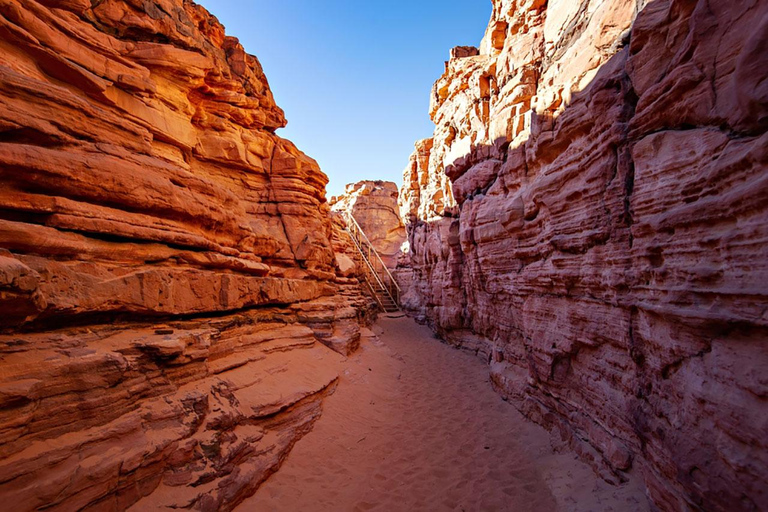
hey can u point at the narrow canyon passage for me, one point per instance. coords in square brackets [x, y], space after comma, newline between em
[415, 425]
[189, 302]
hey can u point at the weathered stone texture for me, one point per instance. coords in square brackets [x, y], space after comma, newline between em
[590, 217]
[141, 181]
[138, 137]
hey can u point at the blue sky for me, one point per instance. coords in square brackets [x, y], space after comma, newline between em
[354, 77]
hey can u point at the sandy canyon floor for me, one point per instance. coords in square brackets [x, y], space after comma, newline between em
[415, 425]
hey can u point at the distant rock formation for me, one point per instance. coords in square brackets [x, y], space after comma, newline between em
[375, 207]
[590, 217]
[166, 269]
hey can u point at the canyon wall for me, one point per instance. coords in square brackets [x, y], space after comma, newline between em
[590, 218]
[167, 279]
[374, 206]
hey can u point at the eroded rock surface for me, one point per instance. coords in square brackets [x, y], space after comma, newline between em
[166, 268]
[590, 218]
[374, 205]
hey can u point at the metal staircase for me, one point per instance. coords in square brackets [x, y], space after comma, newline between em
[377, 276]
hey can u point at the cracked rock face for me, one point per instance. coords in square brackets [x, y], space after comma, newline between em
[374, 205]
[141, 181]
[590, 218]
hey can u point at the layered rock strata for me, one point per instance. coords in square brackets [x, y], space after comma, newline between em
[590, 217]
[166, 269]
[374, 205]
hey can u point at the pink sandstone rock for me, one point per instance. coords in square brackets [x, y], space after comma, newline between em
[590, 218]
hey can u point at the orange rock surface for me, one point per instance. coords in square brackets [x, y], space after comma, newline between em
[141, 181]
[590, 218]
[140, 139]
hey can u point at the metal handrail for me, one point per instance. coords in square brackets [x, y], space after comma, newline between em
[360, 239]
[367, 281]
[367, 263]
[392, 292]
[372, 272]
[383, 266]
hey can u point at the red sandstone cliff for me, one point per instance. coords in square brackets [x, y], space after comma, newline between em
[141, 181]
[590, 217]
